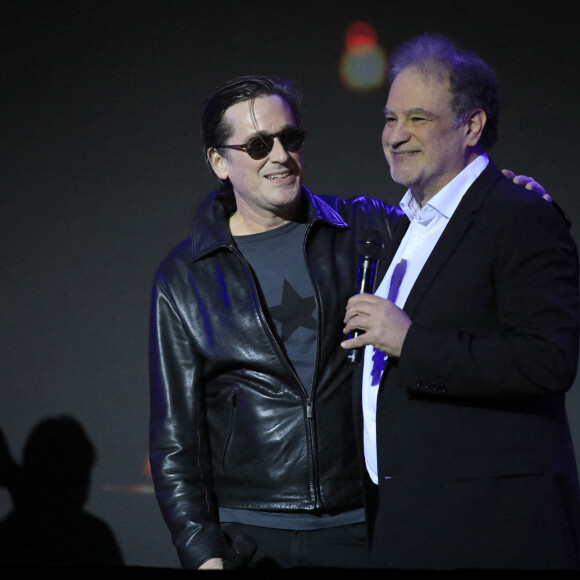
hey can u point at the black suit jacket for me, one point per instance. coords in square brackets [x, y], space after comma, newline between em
[475, 458]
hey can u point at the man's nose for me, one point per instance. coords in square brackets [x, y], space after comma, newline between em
[395, 134]
[278, 152]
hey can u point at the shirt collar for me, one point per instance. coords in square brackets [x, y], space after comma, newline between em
[446, 200]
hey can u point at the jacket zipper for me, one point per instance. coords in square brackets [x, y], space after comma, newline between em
[309, 400]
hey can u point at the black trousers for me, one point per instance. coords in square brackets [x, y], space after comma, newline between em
[257, 547]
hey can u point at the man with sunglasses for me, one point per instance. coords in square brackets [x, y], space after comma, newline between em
[251, 431]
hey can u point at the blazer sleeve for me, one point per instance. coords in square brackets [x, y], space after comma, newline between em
[532, 350]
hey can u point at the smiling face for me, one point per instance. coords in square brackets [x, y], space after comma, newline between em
[423, 144]
[267, 191]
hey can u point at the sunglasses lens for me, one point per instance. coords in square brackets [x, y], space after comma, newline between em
[259, 147]
[292, 139]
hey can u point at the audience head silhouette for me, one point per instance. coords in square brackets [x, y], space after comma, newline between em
[48, 525]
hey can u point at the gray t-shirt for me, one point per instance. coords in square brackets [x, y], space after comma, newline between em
[277, 258]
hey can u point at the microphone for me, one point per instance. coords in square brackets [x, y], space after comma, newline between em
[369, 252]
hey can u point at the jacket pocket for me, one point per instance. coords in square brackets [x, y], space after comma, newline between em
[508, 463]
[231, 425]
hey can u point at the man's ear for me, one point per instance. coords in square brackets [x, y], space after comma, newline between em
[218, 163]
[474, 127]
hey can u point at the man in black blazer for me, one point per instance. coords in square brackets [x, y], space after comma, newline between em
[472, 341]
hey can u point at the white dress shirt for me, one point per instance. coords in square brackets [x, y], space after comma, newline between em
[427, 225]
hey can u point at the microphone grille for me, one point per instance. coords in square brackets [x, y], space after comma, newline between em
[371, 245]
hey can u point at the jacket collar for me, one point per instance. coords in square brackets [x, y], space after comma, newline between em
[458, 225]
[210, 231]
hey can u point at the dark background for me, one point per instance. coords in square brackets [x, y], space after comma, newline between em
[101, 169]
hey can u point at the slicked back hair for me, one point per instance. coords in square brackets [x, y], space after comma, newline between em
[215, 131]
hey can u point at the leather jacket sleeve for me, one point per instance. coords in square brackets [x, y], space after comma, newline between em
[183, 487]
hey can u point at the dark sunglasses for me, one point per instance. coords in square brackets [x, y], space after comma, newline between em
[260, 147]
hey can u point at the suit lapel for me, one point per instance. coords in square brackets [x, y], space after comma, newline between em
[458, 225]
[390, 251]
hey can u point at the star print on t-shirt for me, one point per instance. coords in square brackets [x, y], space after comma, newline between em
[294, 311]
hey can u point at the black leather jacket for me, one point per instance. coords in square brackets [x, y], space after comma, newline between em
[231, 424]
